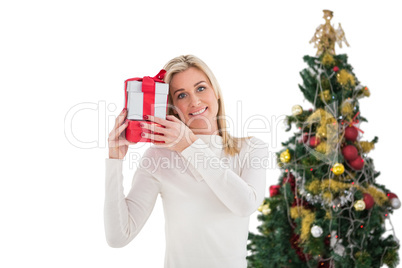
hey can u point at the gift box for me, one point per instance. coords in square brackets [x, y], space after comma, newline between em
[144, 96]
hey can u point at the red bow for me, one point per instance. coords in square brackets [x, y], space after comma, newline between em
[148, 86]
[354, 122]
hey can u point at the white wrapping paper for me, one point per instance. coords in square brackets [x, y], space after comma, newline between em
[135, 98]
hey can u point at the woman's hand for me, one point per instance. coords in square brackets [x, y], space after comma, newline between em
[118, 145]
[173, 134]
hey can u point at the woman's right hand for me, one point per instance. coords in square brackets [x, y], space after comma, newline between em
[118, 144]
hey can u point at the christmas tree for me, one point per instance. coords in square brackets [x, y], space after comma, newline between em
[328, 209]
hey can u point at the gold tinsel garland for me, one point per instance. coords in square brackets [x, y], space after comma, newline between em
[327, 197]
[325, 95]
[347, 109]
[314, 186]
[328, 60]
[366, 146]
[323, 148]
[329, 186]
[308, 218]
[344, 77]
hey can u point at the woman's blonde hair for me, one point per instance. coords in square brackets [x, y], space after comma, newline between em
[182, 63]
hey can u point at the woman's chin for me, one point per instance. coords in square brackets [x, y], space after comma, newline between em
[202, 129]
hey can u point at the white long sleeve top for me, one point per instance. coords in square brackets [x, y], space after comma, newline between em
[207, 197]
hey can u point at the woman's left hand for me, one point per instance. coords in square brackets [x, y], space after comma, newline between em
[173, 134]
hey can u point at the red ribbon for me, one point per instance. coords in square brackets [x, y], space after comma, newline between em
[354, 122]
[148, 88]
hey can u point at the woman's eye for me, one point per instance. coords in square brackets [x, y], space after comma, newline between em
[201, 89]
[181, 95]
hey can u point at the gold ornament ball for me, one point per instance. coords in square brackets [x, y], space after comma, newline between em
[297, 110]
[338, 169]
[360, 205]
[285, 156]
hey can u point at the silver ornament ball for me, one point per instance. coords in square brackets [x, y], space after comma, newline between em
[395, 203]
[316, 231]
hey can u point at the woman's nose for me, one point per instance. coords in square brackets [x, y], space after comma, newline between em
[194, 100]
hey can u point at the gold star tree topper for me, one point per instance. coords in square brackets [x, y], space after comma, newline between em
[325, 36]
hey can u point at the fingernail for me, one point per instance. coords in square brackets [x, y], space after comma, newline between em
[145, 116]
[142, 134]
[141, 125]
[124, 109]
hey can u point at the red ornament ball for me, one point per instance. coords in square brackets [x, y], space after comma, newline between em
[368, 200]
[350, 152]
[351, 133]
[336, 68]
[314, 141]
[274, 190]
[391, 195]
[357, 164]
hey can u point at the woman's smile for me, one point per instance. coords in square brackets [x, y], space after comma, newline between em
[198, 112]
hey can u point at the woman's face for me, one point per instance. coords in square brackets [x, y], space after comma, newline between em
[195, 101]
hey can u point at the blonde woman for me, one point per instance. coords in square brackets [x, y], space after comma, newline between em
[210, 182]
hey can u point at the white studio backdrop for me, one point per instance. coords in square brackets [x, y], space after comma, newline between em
[63, 65]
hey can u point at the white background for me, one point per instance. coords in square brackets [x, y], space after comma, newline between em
[63, 64]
